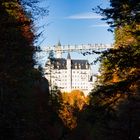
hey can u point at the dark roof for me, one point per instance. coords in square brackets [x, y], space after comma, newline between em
[61, 63]
[79, 64]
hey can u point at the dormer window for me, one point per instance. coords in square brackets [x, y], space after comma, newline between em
[75, 65]
[79, 66]
[87, 65]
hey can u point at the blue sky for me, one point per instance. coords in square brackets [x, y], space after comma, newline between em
[73, 22]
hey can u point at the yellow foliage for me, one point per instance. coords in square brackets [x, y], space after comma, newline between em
[76, 99]
[124, 36]
[72, 103]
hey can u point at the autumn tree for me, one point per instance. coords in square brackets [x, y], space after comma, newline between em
[20, 106]
[25, 110]
[117, 91]
[70, 106]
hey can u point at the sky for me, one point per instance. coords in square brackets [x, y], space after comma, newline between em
[74, 22]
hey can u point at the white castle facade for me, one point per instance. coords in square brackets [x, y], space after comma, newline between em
[69, 74]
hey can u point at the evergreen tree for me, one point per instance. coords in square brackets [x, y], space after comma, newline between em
[117, 92]
[16, 74]
[25, 113]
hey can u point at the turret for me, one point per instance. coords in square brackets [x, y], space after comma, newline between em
[69, 73]
[58, 50]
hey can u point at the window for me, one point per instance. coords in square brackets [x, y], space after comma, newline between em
[75, 65]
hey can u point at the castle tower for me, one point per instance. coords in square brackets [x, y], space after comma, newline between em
[58, 50]
[69, 73]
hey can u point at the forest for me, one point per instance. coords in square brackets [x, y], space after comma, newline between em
[29, 111]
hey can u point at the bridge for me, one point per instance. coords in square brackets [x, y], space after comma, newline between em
[76, 48]
[60, 49]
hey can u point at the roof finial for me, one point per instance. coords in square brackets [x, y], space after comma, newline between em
[59, 44]
[68, 57]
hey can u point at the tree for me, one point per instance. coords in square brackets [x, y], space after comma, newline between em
[121, 13]
[25, 113]
[16, 44]
[18, 77]
[122, 61]
[16, 60]
[70, 106]
[118, 85]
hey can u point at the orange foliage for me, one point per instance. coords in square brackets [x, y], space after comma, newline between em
[72, 104]
[23, 21]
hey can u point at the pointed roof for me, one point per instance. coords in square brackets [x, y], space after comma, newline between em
[59, 44]
[68, 56]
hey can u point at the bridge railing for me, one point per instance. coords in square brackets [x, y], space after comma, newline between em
[74, 48]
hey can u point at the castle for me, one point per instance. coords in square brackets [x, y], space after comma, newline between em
[69, 74]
